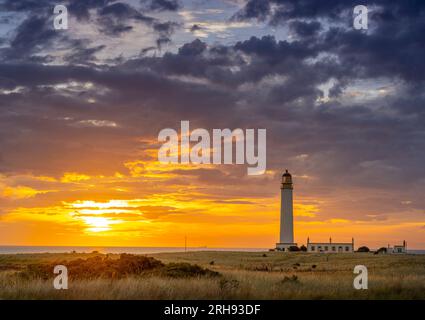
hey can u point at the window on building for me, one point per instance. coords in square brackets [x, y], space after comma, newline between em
[333, 249]
[347, 248]
[399, 250]
[312, 248]
[319, 247]
[326, 248]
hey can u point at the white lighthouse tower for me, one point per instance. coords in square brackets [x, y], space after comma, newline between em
[286, 214]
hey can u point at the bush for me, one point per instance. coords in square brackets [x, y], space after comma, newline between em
[126, 265]
[363, 249]
[303, 248]
[381, 250]
[293, 248]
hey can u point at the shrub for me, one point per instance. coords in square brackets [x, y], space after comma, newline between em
[185, 270]
[363, 249]
[303, 248]
[381, 250]
[126, 265]
[293, 248]
[37, 271]
[97, 267]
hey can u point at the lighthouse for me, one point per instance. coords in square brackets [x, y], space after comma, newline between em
[286, 214]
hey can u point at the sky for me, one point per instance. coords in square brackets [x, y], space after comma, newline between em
[81, 109]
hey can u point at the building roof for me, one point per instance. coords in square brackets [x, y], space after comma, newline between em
[286, 174]
[332, 243]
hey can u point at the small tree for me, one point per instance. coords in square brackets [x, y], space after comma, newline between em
[381, 250]
[303, 248]
[363, 249]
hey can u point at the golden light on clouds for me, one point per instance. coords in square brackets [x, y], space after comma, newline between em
[74, 177]
[152, 204]
[20, 192]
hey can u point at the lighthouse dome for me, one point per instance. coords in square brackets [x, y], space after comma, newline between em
[286, 180]
[286, 174]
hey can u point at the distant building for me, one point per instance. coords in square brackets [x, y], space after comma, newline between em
[331, 247]
[398, 248]
[286, 214]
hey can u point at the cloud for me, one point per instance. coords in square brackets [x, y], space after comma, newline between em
[305, 29]
[162, 5]
[89, 113]
[35, 38]
[281, 11]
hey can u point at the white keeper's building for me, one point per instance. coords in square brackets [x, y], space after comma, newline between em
[331, 247]
[402, 248]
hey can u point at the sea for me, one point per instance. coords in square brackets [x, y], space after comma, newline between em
[132, 250]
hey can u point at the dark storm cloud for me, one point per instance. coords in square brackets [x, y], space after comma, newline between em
[120, 10]
[161, 5]
[165, 30]
[285, 10]
[305, 29]
[112, 17]
[396, 33]
[78, 8]
[255, 9]
[25, 5]
[193, 49]
[33, 33]
[83, 55]
[36, 34]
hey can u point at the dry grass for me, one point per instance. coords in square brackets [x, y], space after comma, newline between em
[245, 276]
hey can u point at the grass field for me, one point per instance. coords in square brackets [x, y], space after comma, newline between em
[243, 275]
